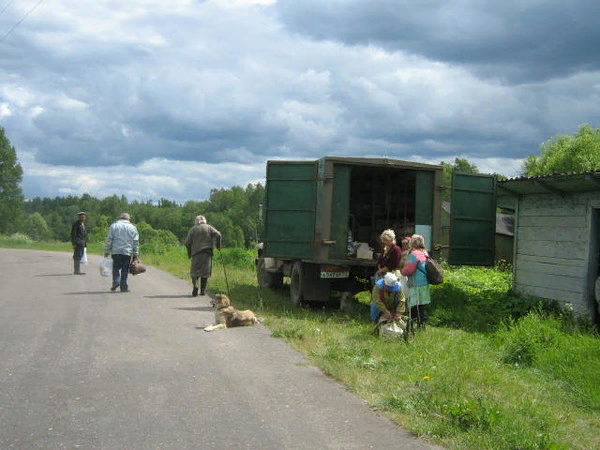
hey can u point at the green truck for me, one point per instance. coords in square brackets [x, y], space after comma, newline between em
[323, 218]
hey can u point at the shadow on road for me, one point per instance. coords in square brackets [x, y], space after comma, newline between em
[167, 296]
[55, 275]
[197, 308]
[88, 292]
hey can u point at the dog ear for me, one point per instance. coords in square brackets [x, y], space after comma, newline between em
[225, 300]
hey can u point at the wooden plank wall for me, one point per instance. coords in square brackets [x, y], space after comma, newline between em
[552, 249]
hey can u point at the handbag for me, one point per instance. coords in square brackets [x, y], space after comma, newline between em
[433, 271]
[136, 267]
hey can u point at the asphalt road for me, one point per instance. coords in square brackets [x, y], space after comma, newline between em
[82, 367]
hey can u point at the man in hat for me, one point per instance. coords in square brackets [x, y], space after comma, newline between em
[79, 241]
[200, 241]
[123, 242]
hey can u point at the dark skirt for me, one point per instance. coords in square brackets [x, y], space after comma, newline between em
[201, 265]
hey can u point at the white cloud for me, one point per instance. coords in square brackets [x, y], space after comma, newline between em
[4, 110]
[158, 98]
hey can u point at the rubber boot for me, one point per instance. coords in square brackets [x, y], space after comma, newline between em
[76, 267]
[203, 282]
[195, 284]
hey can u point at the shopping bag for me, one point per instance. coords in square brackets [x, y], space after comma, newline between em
[392, 329]
[106, 267]
[84, 259]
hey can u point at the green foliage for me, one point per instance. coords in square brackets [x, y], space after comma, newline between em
[479, 299]
[166, 238]
[147, 233]
[563, 153]
[16, 238]
[37, 228]
[236, 257]
[523, 341]
[11, 196]
[459, 166]
[234, 212]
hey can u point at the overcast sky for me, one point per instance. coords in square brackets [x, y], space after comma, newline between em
[170, 98]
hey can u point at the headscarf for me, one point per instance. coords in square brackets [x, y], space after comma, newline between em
[200, 220]
[389, 282]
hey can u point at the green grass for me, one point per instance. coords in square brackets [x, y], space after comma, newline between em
[491, 371]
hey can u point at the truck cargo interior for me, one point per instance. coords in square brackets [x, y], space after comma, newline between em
[381, 198]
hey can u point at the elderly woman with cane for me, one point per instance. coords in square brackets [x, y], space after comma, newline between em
[200, 241]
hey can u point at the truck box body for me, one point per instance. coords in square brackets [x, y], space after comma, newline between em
[312, 207]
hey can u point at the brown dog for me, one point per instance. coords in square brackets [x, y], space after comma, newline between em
[226, 316]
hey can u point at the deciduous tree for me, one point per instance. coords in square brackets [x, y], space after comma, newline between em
[564, 153]
[11, 195]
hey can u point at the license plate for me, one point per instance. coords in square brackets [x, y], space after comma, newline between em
[334, 272]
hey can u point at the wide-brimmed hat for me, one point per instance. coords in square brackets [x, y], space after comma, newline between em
[82, 213]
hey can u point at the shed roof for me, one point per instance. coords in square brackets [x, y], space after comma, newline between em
[558, 183]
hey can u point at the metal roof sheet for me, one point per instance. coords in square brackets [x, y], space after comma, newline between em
[558, 183]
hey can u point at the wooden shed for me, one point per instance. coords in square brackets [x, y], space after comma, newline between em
[556, 237]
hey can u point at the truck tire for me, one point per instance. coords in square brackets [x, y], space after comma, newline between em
[297, 284]
[267, 279]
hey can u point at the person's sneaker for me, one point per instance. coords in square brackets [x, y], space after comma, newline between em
[124, 289]
[195, 292]
[114, 288]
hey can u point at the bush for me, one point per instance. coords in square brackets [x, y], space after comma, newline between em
[166, 238]
[19, 238]
[236, 257]
[522, 342]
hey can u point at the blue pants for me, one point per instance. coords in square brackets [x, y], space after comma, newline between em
[375, 313]
[120, 270]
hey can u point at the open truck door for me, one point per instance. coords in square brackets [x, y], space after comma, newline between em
[473, 220]
[290, 209]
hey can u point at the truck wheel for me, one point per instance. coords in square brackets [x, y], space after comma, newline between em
[297, 283]
[267, 279]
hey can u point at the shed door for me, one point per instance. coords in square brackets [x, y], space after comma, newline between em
[290, 209]
[472, 219]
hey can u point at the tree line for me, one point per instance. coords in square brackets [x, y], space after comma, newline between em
[236, 212]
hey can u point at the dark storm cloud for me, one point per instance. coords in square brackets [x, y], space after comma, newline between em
[184, 96]
[517, 40]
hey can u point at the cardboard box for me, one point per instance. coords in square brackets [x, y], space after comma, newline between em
[364, 252]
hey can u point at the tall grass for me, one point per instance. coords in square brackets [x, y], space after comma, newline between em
[491, 371]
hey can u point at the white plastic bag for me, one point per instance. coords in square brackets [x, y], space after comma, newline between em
[106, 267]
[84, 259]
[392, 329]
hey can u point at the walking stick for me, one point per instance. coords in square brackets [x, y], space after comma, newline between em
[225, 272]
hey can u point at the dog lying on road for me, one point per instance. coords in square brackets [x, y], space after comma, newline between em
[226, 316]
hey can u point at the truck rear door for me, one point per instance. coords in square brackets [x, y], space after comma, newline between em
[291, 193]
[473, 220]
